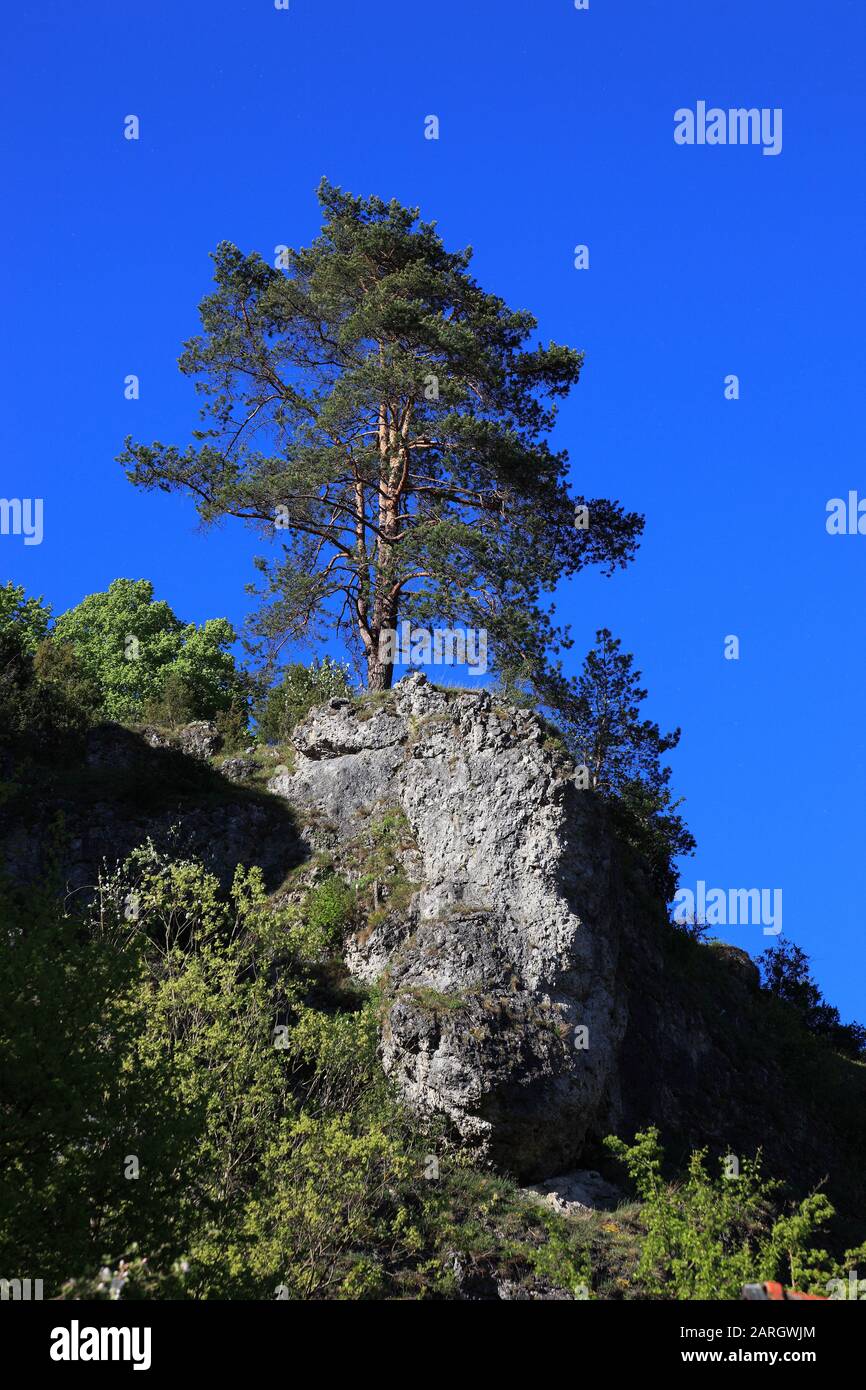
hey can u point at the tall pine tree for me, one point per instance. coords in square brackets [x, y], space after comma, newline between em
[367, 404]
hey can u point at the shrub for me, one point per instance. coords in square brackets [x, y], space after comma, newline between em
[64, 698]
[172, 707]
[182, 1026]
[327, 911]
[706, 1237]
[298, 691]
[269, 1144]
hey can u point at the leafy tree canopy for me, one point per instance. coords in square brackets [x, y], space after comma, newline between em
[131, 645]
[43, 690]
[369, 405]
[24, 621]
[786, 972]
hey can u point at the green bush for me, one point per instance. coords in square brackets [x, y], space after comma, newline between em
[189, 1031]
[706, 1237]
[172, 707]
[298, 691]
[327, 912]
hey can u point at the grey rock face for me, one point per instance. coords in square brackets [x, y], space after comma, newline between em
[501, 974]
[239, 769]
[576, 1194]
[199, 739]
[536, 997]
[154, 738]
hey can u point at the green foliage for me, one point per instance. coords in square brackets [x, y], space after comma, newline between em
[173, 1028]
[74, 1100]
[786, 973]
[44, 690]
[299, 690]
[188, 1029]
[212, 1038]
[145, 662]
[172, 707]
[64, 697]
[387, 420]
[706, 1237]
[623, 755]
[23, 625]
[232, 724]
[374, 858]
[25, 620]
[694, 927]
[327, 912]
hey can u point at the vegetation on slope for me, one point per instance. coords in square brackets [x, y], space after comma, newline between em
[191, 1100]
[193, 1103]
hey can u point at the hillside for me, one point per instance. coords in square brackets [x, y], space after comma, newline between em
[439, 897]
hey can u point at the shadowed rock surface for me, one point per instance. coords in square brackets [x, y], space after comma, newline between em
[69, 815]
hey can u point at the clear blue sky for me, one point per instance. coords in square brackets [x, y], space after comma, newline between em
[556, 129]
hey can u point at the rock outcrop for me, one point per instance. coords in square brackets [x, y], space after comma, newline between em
[67, 815]
[535, 995]
[576, 1194]
[200, 739]
[501, 973]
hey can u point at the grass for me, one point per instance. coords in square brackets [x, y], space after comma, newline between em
[433, 1001]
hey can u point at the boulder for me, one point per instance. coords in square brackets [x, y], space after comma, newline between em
[199, 739]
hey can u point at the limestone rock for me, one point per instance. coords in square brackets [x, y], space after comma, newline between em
[199, 739]
[239, 769]
[130, 787]
[535, 995]
[577, 1193]
[501, 973]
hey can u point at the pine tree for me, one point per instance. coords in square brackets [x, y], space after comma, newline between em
[623, 755]
[369, 405]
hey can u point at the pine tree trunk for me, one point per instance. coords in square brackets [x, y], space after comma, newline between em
[379, 673]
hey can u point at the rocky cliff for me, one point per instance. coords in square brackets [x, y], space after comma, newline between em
[501, 970]
[534, 996]
[68, 813]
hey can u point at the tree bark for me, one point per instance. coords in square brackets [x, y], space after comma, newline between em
[380, 674]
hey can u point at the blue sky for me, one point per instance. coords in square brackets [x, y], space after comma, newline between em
[556, 128]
